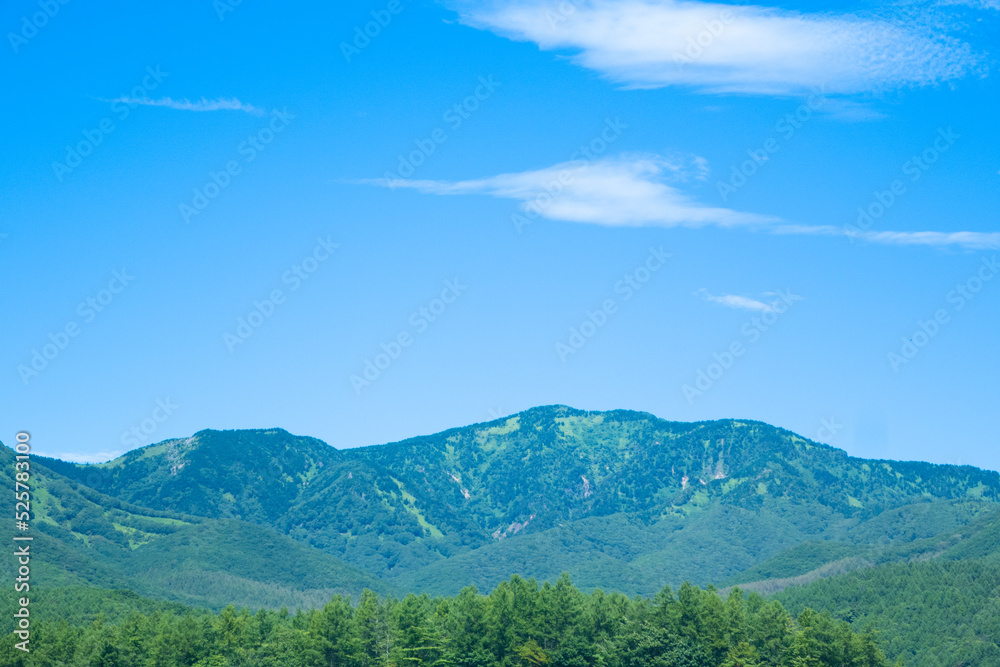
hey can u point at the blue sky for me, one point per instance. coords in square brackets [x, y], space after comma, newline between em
[253, 215]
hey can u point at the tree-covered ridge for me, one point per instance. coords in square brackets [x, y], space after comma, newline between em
[406, 509]
[263, 519]
[554, 464]
[85, 538]
[919, 531]
[941, 613]
[518, 623]
[247, 474]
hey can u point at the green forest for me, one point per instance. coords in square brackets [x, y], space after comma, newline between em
[259, 547]
[937, 613]
[518, 623]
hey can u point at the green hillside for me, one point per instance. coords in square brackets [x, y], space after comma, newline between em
[621, 501]
[939, 613]
[662, 502]
[85, 538]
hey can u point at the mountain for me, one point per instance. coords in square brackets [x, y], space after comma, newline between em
[85, 538]
[621, 500]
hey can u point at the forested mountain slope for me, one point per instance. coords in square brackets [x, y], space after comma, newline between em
[85, 538]
[621, 499]
[936, 613]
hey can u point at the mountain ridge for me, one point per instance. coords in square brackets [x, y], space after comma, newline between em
[414, 510]
[621, 501]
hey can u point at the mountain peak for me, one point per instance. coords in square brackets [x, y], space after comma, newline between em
[409, 504]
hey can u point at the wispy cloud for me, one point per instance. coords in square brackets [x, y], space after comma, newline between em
[963, 239]
[221, 104]
[642, 190]
[975, 4]
[734, 301]
[610, 191]
[971, 240]
[732, 48]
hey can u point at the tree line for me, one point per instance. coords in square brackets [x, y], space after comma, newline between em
[519, 623]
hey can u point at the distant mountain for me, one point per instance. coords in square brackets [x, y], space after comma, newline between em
[85, 538]
[621, 500]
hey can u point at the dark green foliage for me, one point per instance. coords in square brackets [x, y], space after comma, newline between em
[82, 537]
[622, 500]
[940, 613]
[82, 605]
[518, 624]
[251, 475]
[798, 560]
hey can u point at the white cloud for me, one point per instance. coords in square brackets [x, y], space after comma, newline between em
[735, 301]
[639, 191]
[732, 48]
[221, 104]
[962, 239]
[970, 240]
[616, 192]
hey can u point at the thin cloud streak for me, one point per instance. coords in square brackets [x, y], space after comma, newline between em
[974, 4]
[221, 104]
[964, 239]
[614, 192]
[719, 48]
[735, 301]
[633, 192]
